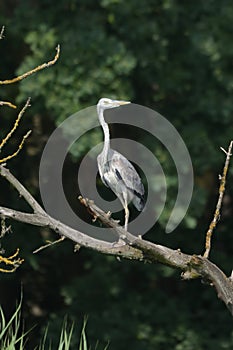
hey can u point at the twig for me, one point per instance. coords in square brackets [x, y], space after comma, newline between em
[11, 261]
[4, 229]
[49, 244]
[105, 218]
[10, 133]
[37, 69]
[2, 32]
[16, 124]
[3, 160]
[6, 103]
[219, 202]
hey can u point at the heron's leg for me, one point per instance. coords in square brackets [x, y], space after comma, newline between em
[124, 202]
[126, 217]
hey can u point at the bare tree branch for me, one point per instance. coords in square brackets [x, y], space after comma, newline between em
[23, 192]
[16, 124]
[219, 202]
[134, 248]
[10, 133]
[37, 69]
[10, 156]
[49, 244]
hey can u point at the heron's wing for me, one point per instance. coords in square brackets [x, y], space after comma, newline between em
[126, 172]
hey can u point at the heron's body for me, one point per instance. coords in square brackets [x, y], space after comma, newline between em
[122, 183]
[115, 170]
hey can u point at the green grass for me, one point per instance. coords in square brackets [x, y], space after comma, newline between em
[14, 337]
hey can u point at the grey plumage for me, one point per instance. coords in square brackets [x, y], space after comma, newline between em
[115, 170]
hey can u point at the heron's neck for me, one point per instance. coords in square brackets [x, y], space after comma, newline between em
[106, 135]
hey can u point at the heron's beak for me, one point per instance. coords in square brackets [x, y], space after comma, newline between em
[121, 103]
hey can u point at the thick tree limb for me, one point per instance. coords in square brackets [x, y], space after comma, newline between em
[134, 248]
[4, 172]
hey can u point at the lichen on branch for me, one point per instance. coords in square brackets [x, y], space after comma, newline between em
[10, 133]
[13, 261]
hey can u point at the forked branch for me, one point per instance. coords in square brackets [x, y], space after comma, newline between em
[10, 133]
[12, 262]
[16, 124]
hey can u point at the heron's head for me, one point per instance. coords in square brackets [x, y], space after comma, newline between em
[107, 103]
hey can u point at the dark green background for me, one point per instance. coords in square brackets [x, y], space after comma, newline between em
[172, 56]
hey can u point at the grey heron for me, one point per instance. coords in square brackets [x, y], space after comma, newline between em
[115, 170]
